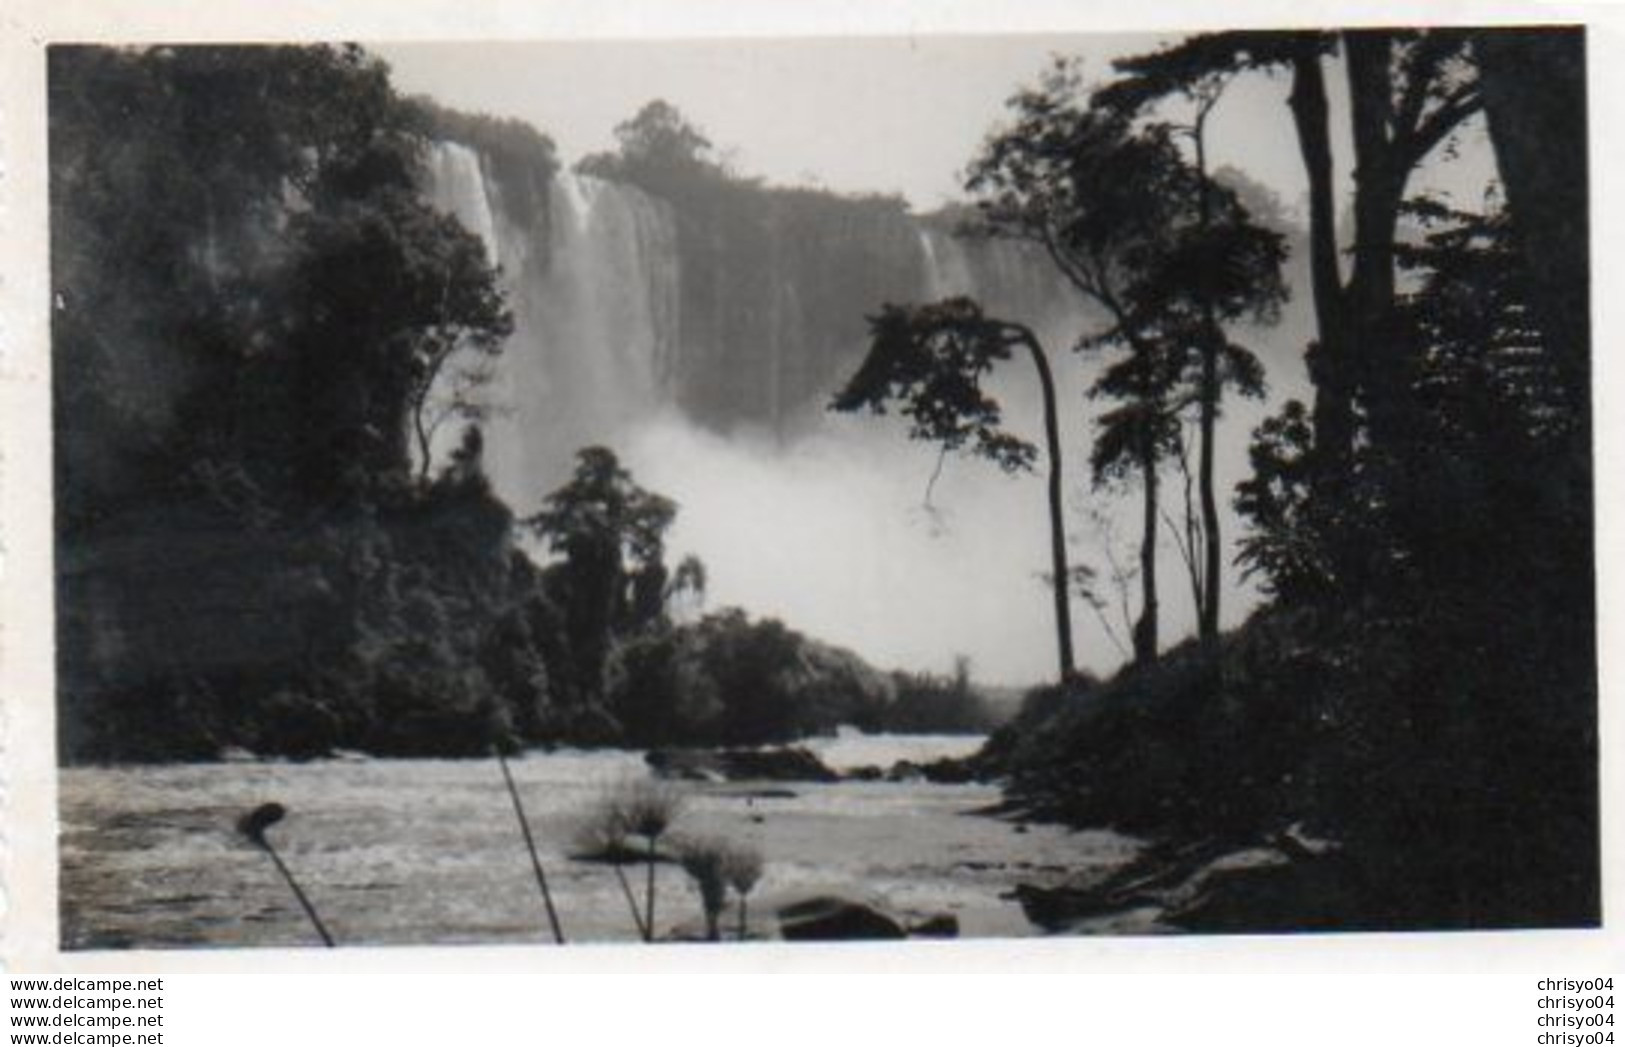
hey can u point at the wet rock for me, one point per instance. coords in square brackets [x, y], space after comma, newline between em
[936, 925]
[948, 772]
[788, 764]
[793, 764]
[1268, 890]
[942, 772]
[833, 918]
[686, 765]
[866, 773]
[829, 915]
[1290, 882]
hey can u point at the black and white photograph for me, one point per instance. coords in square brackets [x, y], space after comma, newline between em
[822, 488]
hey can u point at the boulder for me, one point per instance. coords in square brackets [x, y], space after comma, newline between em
[833, 918]
[687, 765]
[866, 773]
[935, 925]
[787, 764]
[948, 771]
[905, 771]
[793, 764]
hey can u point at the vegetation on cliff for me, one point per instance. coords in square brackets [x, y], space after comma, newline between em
[775, 281]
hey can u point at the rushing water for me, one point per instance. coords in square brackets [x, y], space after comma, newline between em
[595, 316]
[428, 851]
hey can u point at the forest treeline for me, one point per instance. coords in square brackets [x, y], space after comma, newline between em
[1420, 687]
[255, 314]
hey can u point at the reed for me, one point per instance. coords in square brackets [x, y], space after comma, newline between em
[253, 826]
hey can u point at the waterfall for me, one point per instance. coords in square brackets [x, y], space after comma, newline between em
[457, 187]
[947, 272]
[1008, 278]
[596, 294]
[595, 321]
[610, 303]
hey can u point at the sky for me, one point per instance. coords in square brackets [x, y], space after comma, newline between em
[857, 114]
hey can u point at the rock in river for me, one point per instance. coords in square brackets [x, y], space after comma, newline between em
[833, 918]
[788, 764]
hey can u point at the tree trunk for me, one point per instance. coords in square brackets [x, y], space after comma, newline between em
[1208, 613]
[649, 895]
[1379, 185]
[1208, 627]
[421, 431]
[1534, 86]
[1383, 369]
[1145, 630]
[1328, 363]
[1057, 521]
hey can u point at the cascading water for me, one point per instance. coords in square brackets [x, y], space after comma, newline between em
[947, 273]
[1010, 279]
[457, 187]
[595, 321]
[595, 334]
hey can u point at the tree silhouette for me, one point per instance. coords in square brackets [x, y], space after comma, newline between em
[1162, 252]
[612, 576]
[1410, 90]
[931, 360]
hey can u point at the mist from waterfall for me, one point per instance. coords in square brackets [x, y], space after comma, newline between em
[838, 525]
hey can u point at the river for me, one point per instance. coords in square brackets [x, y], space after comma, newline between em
[428, 851]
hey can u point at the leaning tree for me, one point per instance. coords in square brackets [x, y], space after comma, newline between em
[931, 362]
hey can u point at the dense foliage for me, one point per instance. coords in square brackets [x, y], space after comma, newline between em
[1422, 688]
[254, 302]
[252, 298]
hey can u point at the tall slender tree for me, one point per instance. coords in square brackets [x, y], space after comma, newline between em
[932, 360]
[1147, 240]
